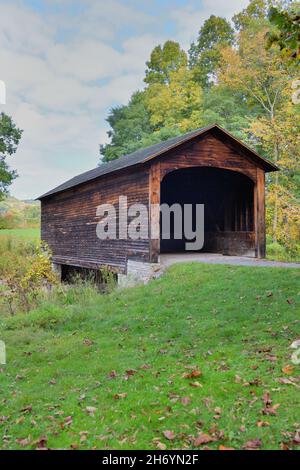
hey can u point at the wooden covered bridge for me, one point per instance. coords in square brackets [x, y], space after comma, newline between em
[207, 166]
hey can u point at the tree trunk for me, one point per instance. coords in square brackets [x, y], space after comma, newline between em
[275, 218]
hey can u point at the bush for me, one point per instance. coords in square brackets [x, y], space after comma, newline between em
[24, 287]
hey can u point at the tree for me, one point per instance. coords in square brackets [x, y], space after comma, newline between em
[129, 125]
[204, 54]
[286, 31]
[10, 137]
[163, 61]
[261, 75]
[282, 133]
[255, 13]
[228, 109]
[176, 104]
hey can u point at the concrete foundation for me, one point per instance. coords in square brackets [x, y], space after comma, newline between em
[57, 268]
[139, 273]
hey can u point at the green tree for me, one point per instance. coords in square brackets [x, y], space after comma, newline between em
[228, 109]
[176, 104]
[10, 137]
[286, 30]
[163, 61]
[255, 13]
[129, 125]
[204, 54]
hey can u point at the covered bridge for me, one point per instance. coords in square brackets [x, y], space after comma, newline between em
[207, 166]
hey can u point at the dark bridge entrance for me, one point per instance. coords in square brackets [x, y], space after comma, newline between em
[228, 199]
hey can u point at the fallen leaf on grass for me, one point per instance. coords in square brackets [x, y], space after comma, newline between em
[252, 445]
[169, 435]
[145, 367]
[295, 344]
[290, 381]
[67, 421]
[268, 408]
[288, 370]
[262, 424]
[26, 409]
[191, 375]
[113, 374]
[41, 443]
[225, 448]
[91, 410]
[117, 396]
[161, 446]
[88, 342]
[185, 401]
[270, 357]
[195, 384]
[23, 442]
[203, 438]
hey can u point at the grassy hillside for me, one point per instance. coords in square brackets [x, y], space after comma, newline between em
[195, 359]
[15, 213]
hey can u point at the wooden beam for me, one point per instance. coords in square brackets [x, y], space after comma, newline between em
[259, 212]
[154, 218]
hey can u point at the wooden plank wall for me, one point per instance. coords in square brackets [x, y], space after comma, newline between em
[69, 221]
[209, 151]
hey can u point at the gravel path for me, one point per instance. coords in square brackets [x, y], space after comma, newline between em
[212, 258]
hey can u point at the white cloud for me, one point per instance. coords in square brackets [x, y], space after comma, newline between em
[190, 18]
[65, 66]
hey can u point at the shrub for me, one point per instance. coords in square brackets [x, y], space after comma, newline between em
[23, 288]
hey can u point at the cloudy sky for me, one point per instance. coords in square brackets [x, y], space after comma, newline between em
[67, 62]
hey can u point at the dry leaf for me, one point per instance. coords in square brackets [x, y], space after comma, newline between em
[203, 438]
[117, 396]
[195, 384]
[23, 442]
[185, 401]
[169, 435]
[262, 424]
[91, 410]
[253, 445]
[88, 342]
[288, 370]
[191, 375]
[161, 446]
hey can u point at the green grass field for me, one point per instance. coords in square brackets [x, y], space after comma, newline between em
[21, 233]
[115, 371]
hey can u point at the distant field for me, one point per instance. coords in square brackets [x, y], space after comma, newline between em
[22, 233]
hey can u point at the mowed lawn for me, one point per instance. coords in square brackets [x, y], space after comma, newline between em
[198, 359]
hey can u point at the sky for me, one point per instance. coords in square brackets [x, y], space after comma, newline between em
[65, 63]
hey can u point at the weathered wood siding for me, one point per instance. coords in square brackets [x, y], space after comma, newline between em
[69, 221]
[208, 151]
